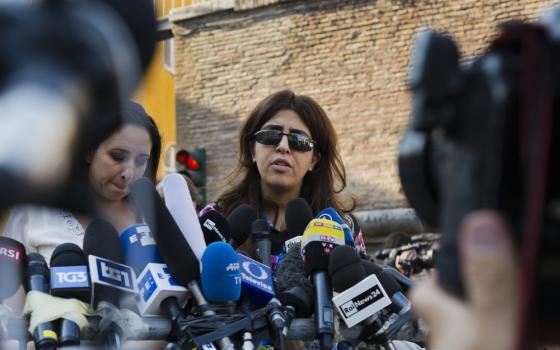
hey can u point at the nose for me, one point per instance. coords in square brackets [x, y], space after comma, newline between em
[127, 173]
[283, 146]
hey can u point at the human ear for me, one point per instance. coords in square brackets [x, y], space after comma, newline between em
[316, 158]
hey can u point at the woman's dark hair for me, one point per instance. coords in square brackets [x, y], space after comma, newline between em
[132, 114]
[319, 185]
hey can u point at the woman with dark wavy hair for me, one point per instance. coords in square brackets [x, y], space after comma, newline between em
[288, 149]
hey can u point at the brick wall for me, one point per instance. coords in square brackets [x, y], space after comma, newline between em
[351, 56]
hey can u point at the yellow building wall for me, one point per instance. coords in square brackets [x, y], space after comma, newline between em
[157, 95]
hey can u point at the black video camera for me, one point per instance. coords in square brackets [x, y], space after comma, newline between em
[485, 134]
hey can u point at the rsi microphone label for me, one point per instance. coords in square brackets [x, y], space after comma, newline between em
[11, 253]
[255, 274]
[69, 277]
[110, 273]
[361, 301]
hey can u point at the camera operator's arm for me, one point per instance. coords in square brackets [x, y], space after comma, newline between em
[488, 319]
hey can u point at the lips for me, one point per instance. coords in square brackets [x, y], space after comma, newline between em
[120, 188]
[281, 166]
[281, 162]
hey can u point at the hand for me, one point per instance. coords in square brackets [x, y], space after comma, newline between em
[408, 256]
[488, 318]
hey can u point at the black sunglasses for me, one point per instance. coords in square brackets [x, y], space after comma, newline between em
[297, 142]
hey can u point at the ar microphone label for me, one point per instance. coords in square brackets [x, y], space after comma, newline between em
[361, 301]
[69, 277]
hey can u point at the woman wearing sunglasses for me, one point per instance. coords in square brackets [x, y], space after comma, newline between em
[288, 149]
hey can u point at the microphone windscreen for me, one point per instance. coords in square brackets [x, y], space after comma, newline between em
[12, 263]
[139, 17]
[389, 283]
[214, 227]
[331, 214]
[102, 240]
[220, 276]
[139, 247]
[345, 268]
[240, 220]
[371, 268]
[319, 239]
[260, 229]
[36, 265]
[291, 272]
[68, 254]
[178, 201]
[298, 215]
[173, 247]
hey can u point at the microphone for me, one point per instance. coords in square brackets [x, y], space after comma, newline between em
[293, 287]
[37, 280]
[239, 222]
[331, 214]
[319, 239]
[298, 215]
[173, 246]
[260, 235]
[108, 275]
[139, 247]
[215, 227]
[404, 282]
[154, 281]
[371, 268]
[399, 302]
[360, 296]
[69, 279]
[220, 276]
[12, 257]
[363, 297]
[256, 280]
[179, 203]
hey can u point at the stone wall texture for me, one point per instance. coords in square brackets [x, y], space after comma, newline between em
[351, 56]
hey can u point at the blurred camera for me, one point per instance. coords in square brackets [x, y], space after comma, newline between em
[484, 133]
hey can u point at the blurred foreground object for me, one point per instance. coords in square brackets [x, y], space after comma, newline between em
[66, 67]
[485, 135]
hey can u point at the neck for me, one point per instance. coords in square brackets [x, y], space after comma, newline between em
[280, 197]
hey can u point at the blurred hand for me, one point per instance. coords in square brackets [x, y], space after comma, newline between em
[406, 256]
[488, 319]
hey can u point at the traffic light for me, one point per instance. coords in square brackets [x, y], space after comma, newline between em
[193, 163]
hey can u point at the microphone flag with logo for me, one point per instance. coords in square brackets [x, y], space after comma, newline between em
[12, 261]
[331, 214]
